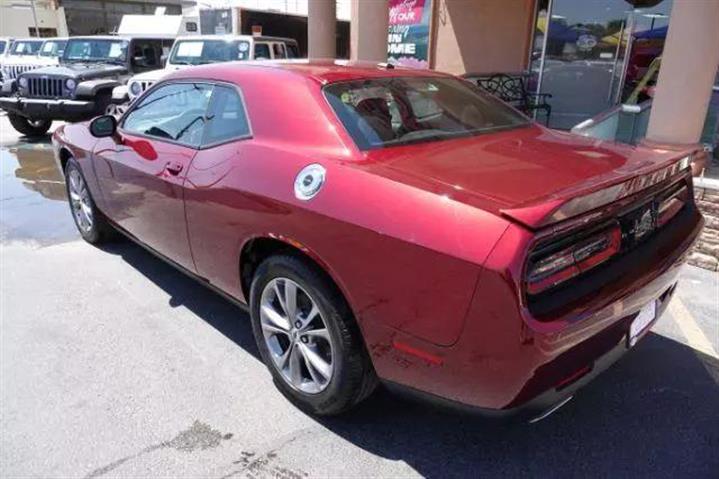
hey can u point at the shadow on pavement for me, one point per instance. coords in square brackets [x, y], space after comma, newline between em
[226, 317]
[655, 413]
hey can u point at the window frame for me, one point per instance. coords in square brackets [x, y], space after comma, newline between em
[202, 146]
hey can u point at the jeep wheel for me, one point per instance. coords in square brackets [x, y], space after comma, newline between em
[29, 127]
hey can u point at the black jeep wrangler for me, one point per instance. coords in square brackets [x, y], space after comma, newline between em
[80, 88]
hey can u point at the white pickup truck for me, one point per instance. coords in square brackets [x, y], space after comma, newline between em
[203, 49]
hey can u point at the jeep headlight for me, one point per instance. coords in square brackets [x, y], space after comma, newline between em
[70, 84]
[23, 82]
[135, 88]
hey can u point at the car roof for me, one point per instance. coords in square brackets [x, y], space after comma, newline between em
[147, 36]
[321, 71]
[230, 37]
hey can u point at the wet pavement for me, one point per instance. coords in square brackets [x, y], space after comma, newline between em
[113, 364]
[32, 192]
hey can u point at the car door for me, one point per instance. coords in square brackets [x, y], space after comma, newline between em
[142, 169]
[211, 198]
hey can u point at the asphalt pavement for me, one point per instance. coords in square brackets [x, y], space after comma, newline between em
[113, 364]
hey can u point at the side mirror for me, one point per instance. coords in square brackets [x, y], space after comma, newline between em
[103, 126]
[140, 61]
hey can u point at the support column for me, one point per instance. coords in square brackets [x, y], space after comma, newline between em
[321, 29]
[689, 65]
[368, 30]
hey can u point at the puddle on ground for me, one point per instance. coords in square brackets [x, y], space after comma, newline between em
[33, 205]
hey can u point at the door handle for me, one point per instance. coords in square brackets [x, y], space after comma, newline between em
[174, 167]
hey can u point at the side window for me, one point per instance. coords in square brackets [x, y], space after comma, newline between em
[166, 47]
[292, 51]
[144, 55]
[262, 51]
[227, 117]
[279, 50]
[174, 112]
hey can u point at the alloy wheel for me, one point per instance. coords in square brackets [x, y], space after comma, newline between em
[296, 336]
[80, 201]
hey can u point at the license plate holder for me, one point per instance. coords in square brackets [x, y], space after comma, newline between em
[642, 321]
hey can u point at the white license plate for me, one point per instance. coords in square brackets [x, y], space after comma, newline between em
[639, 324]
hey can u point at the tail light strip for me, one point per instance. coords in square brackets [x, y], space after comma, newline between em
[573, 260]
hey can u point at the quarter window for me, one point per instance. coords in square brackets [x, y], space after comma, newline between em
[173, 112]
[227, 117]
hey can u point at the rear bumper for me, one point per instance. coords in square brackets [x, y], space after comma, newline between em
[49, 109]
[505, 363]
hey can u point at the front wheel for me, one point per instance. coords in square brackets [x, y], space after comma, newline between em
[28, 126]
[308, 338]
[91, 223]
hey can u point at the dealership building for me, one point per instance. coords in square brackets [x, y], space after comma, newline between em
[589, 55]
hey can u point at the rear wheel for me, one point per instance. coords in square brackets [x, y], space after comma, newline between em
[308, 338]
[91, 223]
[29, 127]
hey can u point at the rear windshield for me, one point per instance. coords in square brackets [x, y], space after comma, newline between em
[200, 52]
[396, 111]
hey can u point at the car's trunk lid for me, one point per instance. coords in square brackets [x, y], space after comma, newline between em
[526, 174]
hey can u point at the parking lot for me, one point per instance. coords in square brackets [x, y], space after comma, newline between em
[114, 364]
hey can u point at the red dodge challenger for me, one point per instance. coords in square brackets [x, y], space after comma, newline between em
[395, 226]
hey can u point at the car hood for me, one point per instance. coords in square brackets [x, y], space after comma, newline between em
[155, 75]
[29, 60]
[514, 170]
[82, 71]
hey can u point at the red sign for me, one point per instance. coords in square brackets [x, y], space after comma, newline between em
[405, 12]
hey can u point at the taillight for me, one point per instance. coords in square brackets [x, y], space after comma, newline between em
[546, 271]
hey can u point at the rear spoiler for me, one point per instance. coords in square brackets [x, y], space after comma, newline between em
[556, 209]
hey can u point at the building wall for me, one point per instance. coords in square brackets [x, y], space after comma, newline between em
[481, 36]
[292, 7]
[16, 18]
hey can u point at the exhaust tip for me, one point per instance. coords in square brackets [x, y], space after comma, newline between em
[550, 411]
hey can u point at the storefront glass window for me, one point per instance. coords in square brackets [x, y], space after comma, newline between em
[592, 54]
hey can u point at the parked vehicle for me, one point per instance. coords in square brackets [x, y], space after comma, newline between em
[5, 43]
[51, 49]
[81, 86]
[392, 224]
[18, 50]
[204, 49]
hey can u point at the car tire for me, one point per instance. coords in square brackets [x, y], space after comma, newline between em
[28, 127]
[352, 376]
[91, 223]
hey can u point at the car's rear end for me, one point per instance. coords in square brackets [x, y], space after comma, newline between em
[589, 274]
[595, 236]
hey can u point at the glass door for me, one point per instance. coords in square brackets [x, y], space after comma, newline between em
[591, 54]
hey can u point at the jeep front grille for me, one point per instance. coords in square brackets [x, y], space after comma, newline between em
[12, 71]
[45, 87]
